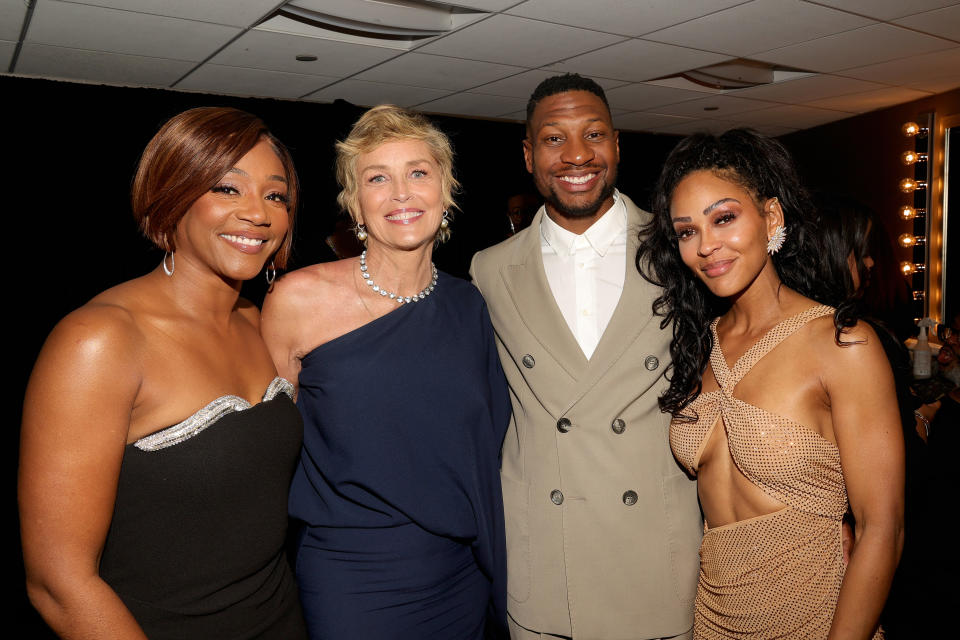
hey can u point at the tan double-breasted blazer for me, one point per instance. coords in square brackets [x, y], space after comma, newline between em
[603, 526]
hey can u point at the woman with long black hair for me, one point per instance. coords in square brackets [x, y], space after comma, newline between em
[769, 410]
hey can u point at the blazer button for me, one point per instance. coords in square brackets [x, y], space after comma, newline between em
[564, 425]
[630, 498]
[618, 426]
[556, 497]
[528, 361]
[651, 363]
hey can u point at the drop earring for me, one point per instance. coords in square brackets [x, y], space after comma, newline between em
[361, 232]
[173, 264]
[775, 241]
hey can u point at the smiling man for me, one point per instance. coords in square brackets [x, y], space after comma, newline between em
[603, 527]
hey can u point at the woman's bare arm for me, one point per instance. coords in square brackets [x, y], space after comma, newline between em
[280, 325]
[866, 424]
[75, 422]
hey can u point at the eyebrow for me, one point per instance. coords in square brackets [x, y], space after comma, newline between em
[557, 123]
[383, 167]
[706, 211]
[241, 172]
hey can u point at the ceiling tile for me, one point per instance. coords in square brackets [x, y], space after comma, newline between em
[12, 13]
[646, 96]
[437, 72]
[368, 94]
[473, 104]
[869, 100]
[518, 41]
[794, 116]
[80, 26]
[886, 9]
[6, 53]
[278, 51]
[483, 5]
[99, 66]
[936, 72]
[941, 22]
[645, 121]
[239, 13]
[626, 17]
[687, 127]
[523, 84]
[639, 60]
[867, 45]
[806, 89]
[215, 78]
[720, 107]
[759, 26]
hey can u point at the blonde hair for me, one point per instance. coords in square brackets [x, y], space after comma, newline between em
[388, 123]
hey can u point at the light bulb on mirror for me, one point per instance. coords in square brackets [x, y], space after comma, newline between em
[911, 129]
[912, 157]
[910, 268]
[909, 213]
[908, 240]
[909, 185]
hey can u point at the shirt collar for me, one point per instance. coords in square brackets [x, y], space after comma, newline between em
[599, 236]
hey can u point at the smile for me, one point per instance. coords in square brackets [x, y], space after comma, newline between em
[717, 268]
[404, 216]
[578, 179]
[248, 242]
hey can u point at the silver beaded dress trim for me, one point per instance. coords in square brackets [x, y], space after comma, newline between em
[207, 416]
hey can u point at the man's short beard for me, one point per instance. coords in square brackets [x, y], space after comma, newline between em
[586, 211]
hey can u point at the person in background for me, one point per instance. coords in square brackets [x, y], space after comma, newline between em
[845, 230]
[769, 410]
[133, 528]
[602, 525]
[404, 403]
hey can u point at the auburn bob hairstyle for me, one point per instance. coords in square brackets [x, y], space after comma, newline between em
[188, 157]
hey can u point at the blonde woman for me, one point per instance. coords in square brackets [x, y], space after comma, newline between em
[404, 404]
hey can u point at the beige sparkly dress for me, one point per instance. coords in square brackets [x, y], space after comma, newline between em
[776, 575]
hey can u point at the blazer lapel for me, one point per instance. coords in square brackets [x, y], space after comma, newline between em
[631, 317]
[530, 292]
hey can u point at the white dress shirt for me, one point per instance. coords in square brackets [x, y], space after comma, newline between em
[586, 271]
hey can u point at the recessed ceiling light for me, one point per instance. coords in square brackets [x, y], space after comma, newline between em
[711, 108]
[306, 58]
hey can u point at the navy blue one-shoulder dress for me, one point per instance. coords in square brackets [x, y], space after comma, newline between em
[398, 486]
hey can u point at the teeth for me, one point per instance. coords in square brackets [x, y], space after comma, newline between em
[405, 215]
[578, 179]
[250, 242]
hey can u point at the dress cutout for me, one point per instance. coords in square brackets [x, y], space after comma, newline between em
[777, 575]
[196, 544]
[398, 487]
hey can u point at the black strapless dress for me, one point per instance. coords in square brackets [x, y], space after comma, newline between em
[196, 544]
[399, 484]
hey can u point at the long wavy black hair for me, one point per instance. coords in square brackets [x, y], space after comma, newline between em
[764, 168]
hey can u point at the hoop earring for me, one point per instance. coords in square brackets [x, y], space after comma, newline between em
[361, 231]
[270, 273]
[173, 264]
[775, 242]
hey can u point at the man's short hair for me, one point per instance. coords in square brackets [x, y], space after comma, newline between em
[561, 84]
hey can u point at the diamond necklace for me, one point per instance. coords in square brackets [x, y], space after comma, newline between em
[417, 297]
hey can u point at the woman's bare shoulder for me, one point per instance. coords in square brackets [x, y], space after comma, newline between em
[309, 286]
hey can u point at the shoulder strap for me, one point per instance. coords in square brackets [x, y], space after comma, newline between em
[774, 337]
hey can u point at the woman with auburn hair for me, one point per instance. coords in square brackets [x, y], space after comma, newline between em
[133, 528]
[769, 411]
[405, 407]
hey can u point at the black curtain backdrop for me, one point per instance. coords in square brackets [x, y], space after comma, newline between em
[72, 150]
